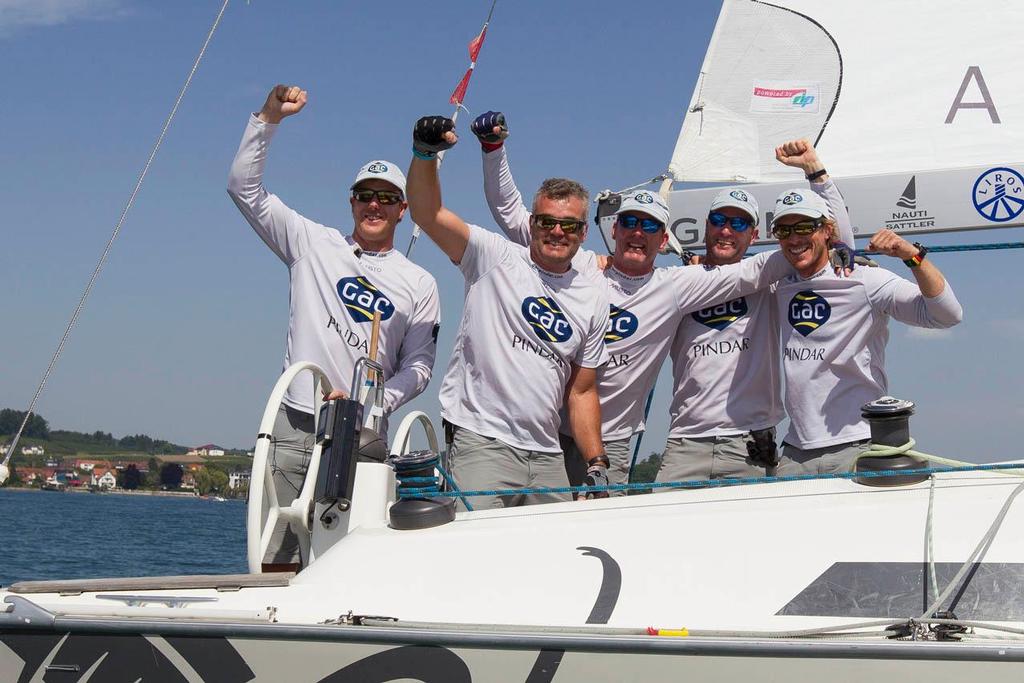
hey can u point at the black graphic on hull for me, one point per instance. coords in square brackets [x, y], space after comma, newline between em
[992, 591]
[123, 658]
[546, 666]
[99, 658]
[412, 662]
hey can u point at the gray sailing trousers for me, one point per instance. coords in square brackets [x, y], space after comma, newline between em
[618, 455]
[837, 458]
[482, 463]
[708, 457]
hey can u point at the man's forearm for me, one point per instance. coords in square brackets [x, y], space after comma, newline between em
[585, 420]
[446, 229]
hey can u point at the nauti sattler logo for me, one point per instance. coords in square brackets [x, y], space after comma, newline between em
[546, 319]
[622, 324]
[361, 299]
[808, 311]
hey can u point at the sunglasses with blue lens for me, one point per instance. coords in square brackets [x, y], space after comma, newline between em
[737, 223]
[648, 225]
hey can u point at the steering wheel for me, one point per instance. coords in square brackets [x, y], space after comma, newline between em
[260, 522]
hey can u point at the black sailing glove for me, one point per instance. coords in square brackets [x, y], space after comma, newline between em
[597, 475]
[428, 136]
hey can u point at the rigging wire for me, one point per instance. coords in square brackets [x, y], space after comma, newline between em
[113, 236]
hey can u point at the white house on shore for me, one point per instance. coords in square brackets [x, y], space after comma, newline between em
[238, 479]
[207, 451]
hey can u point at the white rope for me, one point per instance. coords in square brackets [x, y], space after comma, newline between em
[929, 550]
[113, 236]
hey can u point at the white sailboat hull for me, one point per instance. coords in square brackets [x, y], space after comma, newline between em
[566, 592]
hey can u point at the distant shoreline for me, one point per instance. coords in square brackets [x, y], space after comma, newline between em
[161, 494]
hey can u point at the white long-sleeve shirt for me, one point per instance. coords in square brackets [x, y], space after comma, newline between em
[834, 332]
[334, 289]
[645, 311]
[522, 330]
[725, 358]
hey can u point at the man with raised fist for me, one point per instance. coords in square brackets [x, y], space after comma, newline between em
[531, 335]
[337, 282]
[655, 310]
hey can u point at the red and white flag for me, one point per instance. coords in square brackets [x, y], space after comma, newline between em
[459, 94]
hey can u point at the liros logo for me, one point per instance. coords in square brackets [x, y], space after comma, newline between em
[377, 167]
[998, 194]
[808, 311]
[546, 319]
[739, 195]
[721, 316]
[621, 324]
[644, 198]
[792, 198]
[362, 299]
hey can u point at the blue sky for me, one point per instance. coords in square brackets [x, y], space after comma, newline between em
[184, 334]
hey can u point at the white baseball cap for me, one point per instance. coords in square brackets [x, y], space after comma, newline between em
[800, 203]
[378, 169]
[736, 198]
[646, 202]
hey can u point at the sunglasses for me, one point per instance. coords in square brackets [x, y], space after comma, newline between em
[737, 223]
[568, 225]
[385, 197]
[648, 225]
[802, 228]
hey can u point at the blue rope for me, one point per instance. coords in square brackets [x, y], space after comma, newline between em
[717, 483]
[958, 247]
[417, 468]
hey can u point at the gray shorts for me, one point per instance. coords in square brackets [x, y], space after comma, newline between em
[480, 462]
[618, 455]
[837, 458]
[708, 457]
[290, 449]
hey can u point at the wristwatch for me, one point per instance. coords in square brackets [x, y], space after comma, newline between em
[915, 261]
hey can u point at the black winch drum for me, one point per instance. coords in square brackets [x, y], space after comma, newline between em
[889, 419]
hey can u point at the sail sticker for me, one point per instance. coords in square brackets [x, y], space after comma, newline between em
[546, 319]
[808, 311]
[998, 194]
[621, 324]
[721, 316]
[907, 215]
[361, 299]
[780, 97]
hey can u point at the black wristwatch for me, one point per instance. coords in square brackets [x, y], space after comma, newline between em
[817, 174]
[915, 261]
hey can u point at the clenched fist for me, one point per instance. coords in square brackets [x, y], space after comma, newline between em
[433, 134]
[283, 100]
[799, 154]
[889, 243]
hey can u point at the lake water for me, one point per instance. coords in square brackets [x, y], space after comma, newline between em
[52, 535]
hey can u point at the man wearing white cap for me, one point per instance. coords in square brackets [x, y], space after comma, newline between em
[834, 332]
[336, 284]
[726, 396]
[647, 303]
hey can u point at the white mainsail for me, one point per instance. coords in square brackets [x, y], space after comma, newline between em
[917, 108]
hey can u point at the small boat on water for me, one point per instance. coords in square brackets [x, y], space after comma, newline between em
[912, 569]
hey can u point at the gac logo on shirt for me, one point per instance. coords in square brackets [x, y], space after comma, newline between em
[362, 299]
[621, 324]
[721, 316]
[808, 311]
[546, 319]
